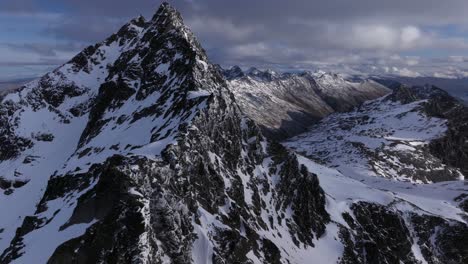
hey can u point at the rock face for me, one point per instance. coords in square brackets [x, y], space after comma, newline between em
[452, 147]
[385, 235]
[284, 105]
[136, 151]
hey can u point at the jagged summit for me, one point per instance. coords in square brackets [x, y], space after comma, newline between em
[139, 21]
[167, 9]
[167, 13]
[168, 19]
[131, 94]
[233, 73]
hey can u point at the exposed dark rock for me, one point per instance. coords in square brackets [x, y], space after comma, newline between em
[452, 148]
[10, 144]
[381, 236]
[441, 241]
[111, 96]
[47, 137]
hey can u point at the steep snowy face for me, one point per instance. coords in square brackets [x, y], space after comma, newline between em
[370, 159]
[414, 134]
[41, 126]
[55, 125]
[380, 220]
[286, 104]
[129, 93]
[136, 152]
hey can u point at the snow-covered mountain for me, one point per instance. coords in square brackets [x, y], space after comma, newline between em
[139, 151]
[457, 87]
[371, 161]
[285, 104]
[136, 152]
[401, 136]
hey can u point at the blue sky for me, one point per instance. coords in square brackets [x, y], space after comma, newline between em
[412, 38]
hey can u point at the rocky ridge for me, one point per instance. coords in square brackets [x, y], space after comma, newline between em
[286, 104]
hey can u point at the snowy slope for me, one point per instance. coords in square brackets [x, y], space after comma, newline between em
[285, 104]
[43, 117]
[373, 157]
[385, 138]
[390, 201]
[68, 126]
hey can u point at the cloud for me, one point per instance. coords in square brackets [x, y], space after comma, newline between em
[345, 35]
[373, 37]
[405, 72]
[35, 54]
[94, 30]
[410, 36]
[18, 5]
[222, 28]
[45, 50]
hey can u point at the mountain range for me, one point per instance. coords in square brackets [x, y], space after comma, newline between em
[139, 150]
[284, 105]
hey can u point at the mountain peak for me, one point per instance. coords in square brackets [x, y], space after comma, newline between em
[168, 21]
[167, 6]
[166, 13]
[234, 72]
[253, 71]
[139, 20]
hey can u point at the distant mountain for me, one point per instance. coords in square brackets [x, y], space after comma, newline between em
[416, 134]
[8, 86]
[457, 87]
[285, 104]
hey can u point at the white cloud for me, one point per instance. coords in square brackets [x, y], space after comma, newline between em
[407, 72]
[457, 59]
[409, 36]
[222, 28]
[384, 37]
[373, 37]
[12, 55]
[254, 49]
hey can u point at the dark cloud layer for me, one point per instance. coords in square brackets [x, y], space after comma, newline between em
[18, 5]
[399, 36]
